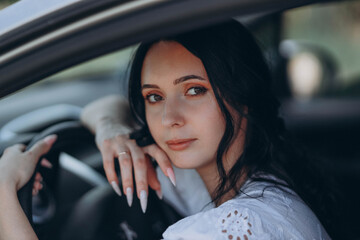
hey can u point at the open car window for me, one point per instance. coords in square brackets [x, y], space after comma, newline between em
[77, 85]
[104, 66]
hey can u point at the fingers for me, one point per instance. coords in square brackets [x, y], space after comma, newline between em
[37, 186]
[38, 149]
[163, 161]
[134, 164]
[17, 148]
[140, 171]
[38, 177]
[42, 146]
[126, 174]
[46, 163]
[20, 147]
[133, 157]
[19, 165]
[38, 182]
[109, 167]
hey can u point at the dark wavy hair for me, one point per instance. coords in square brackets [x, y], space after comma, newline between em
[240, 76]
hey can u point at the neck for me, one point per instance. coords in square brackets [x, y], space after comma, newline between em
[210, 176]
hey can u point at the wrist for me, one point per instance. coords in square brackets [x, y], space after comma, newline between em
[7, 187]
[107, 125]
[107, 128]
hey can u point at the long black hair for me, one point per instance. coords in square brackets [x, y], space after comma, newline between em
[240, 77]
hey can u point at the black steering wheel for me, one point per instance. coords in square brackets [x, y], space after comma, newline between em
[69, 133]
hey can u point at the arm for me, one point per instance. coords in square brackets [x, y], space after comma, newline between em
[13, 222]
[110, 119]
[16, 168]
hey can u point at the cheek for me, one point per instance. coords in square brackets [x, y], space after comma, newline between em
[209, 119]
[215, 127]
[153, 120]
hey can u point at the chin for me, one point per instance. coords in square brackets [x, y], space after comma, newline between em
[186, 161]
[183, 165]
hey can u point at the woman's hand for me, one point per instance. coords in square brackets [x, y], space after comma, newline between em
[110, 119]
[16, 169]
[18, 165]
[131, 156]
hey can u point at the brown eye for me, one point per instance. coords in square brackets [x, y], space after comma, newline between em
[195, 91]
[153, 98]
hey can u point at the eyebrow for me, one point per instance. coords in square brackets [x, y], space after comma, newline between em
[176, 81]
[188, 77]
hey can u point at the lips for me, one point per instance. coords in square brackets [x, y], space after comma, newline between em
[180, 144]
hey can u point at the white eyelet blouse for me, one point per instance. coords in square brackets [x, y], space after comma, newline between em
[261, 212]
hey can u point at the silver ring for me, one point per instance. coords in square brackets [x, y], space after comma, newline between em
[123, 153]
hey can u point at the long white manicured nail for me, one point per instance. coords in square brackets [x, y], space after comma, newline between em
[46, 163]
[159, 194]
[50, 139]
[129, 196]
[116, 188]
[171, 175]
[143, 200]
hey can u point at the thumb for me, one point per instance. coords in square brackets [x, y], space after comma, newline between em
[43, 146]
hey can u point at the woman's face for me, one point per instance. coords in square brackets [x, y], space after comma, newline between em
[181, 110]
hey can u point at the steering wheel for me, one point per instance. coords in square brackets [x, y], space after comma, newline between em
[69, 133]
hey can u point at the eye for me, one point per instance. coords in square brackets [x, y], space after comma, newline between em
[153, 98]
[195, 91]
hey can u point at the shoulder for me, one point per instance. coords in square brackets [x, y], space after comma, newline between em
[261, 212]
[224, 222]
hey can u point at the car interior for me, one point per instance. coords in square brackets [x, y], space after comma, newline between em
[316, 77]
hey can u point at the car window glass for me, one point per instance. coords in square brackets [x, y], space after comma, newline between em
[77, 85]
[321, 44]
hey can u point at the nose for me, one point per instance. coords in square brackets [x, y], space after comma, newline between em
[172, 114]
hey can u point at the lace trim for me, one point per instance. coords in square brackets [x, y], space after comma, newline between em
[236, 226]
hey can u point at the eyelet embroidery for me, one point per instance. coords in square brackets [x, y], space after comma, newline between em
[236, 226]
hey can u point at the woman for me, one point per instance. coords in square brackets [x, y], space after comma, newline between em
[203, 101]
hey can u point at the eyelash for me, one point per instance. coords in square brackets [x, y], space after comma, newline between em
[148, 96]
[201, 91]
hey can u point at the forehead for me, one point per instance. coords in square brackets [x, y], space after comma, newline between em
[170, 60]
